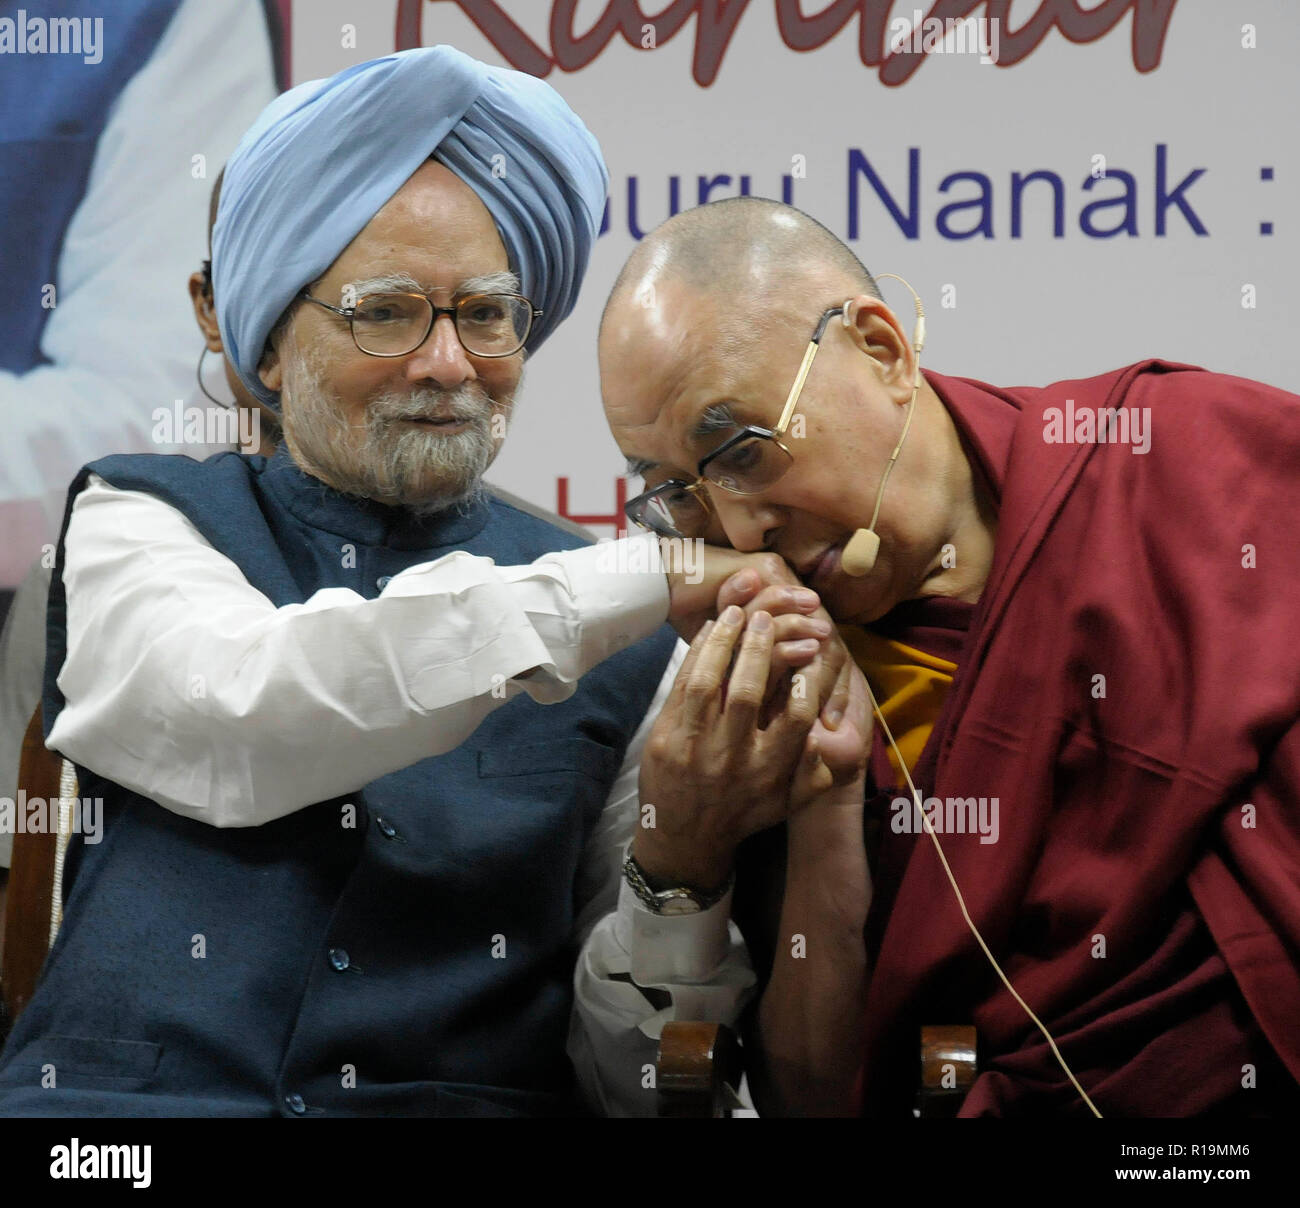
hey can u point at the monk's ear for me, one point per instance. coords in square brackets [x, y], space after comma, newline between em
[876, 332]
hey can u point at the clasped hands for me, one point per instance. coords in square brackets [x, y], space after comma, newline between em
[768, 717]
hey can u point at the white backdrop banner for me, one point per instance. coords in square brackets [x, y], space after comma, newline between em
[1070, 186]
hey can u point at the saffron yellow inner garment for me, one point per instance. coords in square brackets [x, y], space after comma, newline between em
[909, 684]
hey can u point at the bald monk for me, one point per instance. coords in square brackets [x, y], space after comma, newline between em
[1084, 640]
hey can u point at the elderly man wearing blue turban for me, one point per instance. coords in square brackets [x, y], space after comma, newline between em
[345, 853]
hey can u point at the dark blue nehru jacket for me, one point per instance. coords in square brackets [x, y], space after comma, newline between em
[424, 954]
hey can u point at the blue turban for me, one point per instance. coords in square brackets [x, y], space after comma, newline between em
[324, 157]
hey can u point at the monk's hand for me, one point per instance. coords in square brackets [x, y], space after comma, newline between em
[712, 772]
[790, 605]
[834, 766]
[825, 662]
[696, 597]
[840, 740]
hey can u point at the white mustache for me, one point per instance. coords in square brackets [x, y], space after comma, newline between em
[461, 406]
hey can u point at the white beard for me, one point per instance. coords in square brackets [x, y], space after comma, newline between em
[424, 469]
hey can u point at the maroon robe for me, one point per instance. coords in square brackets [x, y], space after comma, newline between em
[1120, 816]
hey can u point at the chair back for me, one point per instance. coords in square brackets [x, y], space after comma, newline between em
[34, 905]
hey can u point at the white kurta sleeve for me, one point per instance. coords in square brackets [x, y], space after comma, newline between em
[187, 685]
[696, 967]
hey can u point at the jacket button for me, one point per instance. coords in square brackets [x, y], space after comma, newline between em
[383, 581]
[339, 959]
[386, 828]
[295, 1104]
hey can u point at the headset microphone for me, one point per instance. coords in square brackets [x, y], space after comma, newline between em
[859, 554]
[863, 547]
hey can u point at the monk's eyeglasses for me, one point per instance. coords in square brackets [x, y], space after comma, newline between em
[747, 463]
[392, 325]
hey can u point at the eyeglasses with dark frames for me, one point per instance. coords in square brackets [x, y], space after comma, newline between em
[748, 463]
[395, 324]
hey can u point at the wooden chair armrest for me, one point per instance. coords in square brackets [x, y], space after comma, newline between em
[949, 1067]
[698, 1070]
[700, 1064]
[30, 900]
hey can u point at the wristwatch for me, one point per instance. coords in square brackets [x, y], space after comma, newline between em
[679, 900]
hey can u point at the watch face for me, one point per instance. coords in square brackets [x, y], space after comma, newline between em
[678, 901]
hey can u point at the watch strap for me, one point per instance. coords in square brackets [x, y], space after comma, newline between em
[660, 901]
